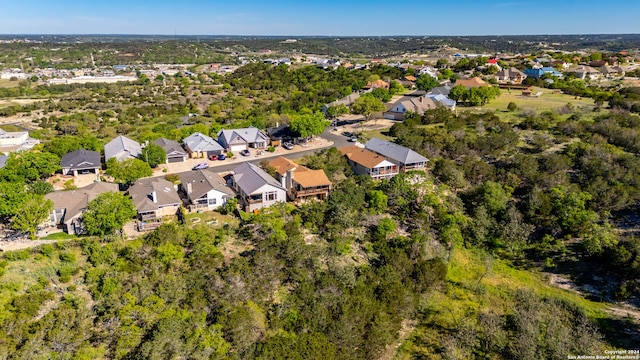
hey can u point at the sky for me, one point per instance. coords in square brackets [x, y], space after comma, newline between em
[327, 17]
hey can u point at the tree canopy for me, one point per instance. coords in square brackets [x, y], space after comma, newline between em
[33, 212]
[128, 171]
[367, 105]
[308, 124]
[108, 213]
[153, 155]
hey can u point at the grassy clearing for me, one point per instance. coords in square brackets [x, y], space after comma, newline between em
[496, 280]
[6, 83]
[59, 236]
[378, 133]
[546, 102]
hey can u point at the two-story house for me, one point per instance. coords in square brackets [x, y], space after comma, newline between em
[68, 206]
[256, 189]
[204, 189]
[154, 198]
[366, 162]
[299, 181]
[405, 158]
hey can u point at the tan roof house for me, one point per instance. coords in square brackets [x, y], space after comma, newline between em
[300, 181]
[365, 162]
[69, 205]
[154, 198]
[472, 82]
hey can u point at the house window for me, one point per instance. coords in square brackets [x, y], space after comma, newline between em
[212, 201]
[271, 196]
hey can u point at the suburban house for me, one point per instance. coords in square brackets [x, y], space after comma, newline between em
[405, 158]
[612, 71]
[512, 75]
[200, 145]
[16, 141]
[175, 152]
[256, 189]
[347, 101]
[441, 90]
[376, 84]
[281, 134]
[81, 162]
[241, 139]
[443, 100]
[472, 82]
[538, 73]
[122, 148]
[204, 189]
[407, 104]
[69, 205]
[300, 181]
[366, 162]
[154, 198]
[585, 72]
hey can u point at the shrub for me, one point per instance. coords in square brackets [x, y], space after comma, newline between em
[67, 257]
[271, 149]
[512, 106]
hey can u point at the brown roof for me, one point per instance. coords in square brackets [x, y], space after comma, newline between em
[473, 82]
[364, 157]
[310, 178]
[377, 84]
[282, 164]
[300, 174]
[410, 78]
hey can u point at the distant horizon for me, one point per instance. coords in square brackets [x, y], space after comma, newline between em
[289, 18]
[311, 36]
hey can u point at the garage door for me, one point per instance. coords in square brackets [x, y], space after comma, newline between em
[235, 148]
[175, 159]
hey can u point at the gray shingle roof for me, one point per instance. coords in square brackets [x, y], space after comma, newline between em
[248, 135]
[142, 194]
[203, 181]
[201, 142]
[81, 159]
[394, 151]
[250, 178]
[75, 201]
[121, 148]
[171, 147]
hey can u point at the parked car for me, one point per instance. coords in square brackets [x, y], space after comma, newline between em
[213, 157]
[221, 157]
[353, 139]
[288, 146]
[245, 152]
[346, 133]
[201, 166]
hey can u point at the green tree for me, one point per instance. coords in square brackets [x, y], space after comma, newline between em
[426, 82]
[377, 201]
[337, 110]
[128, 171]
[308, 124]
[367, 105]
[512, 106]
[395, 88]
[12, 196]
[40, 187]
[26, 166]
[33, 212]
[108, 213]
[153, 155]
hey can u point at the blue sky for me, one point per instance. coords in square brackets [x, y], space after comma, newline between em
[328, 17]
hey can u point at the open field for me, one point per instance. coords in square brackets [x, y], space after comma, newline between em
[6, 83]
[547, 101]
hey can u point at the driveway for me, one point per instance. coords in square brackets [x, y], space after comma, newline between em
[317, 143]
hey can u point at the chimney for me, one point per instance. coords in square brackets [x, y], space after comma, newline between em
[154, 196]
[189, 188]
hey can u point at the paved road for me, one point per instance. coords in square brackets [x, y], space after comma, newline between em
[335, 136]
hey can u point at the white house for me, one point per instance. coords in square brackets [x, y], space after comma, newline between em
[256, 189]
[204, 189]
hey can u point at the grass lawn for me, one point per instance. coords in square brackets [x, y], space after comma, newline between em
[379, 133]
[547, 101]
[59, 236]
[196, 218]
[6, 83]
